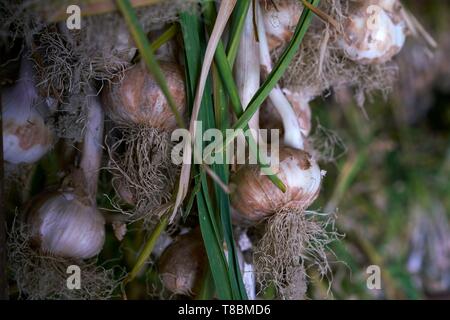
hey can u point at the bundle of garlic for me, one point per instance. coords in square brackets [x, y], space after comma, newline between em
[292, 238]
[140, 158]
[63, 228]
[26, 136]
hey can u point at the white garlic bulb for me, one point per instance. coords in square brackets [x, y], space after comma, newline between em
[374, 31]
[26, 138]
[256, 197]
[62, 225]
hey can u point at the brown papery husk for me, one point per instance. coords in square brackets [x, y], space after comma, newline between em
[140, 161]
[294, 241]
[320, 64]
[42, 276]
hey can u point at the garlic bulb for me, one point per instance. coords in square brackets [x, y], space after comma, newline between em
[182, 264]
[247, 70]
[280, 21]
[256, 197]
[374, 31]
[137, 99]
[123, 44]
[61, 224]
[26, 138]
[68, 224]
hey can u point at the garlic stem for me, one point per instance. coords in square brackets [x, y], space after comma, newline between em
[292, 136]
[247, 68]
[92, 144]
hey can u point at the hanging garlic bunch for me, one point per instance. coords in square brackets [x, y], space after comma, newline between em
[143, 171]
[26, 137]
[289, 230]
[65, 227]
[374, 32]
[67, 223]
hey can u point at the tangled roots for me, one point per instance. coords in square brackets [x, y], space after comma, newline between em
[41, 276]
[294, 241]
[320, 64]
[141, 164]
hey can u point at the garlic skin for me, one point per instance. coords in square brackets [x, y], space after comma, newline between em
[255, 196]
[374, 31]
[280, 24]
[62, 225]
[26, 138]
[137, 99]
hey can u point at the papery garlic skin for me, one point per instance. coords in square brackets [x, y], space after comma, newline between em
[256, 197]
[64, 226]
[138, 100]
[374, 32]
[26, 137]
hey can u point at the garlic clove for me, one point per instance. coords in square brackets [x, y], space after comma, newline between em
[137, 99]
[374, 32]
[62, 225]
[255, 197]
